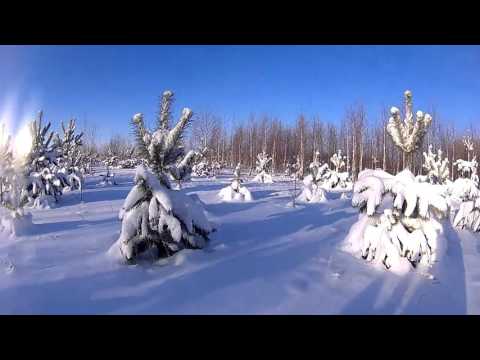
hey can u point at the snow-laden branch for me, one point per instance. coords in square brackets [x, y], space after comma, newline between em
[408, 134]
[263, 168]
[436, 166]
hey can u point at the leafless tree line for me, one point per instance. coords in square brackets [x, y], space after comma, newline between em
[363, 141]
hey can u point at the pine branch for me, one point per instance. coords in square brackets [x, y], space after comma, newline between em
[175, 136]
[140, 132]
[165, 110]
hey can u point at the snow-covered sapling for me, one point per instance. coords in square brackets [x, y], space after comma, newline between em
[408, 135]
[153, 214]
[263, 167]
[43, 185]
[312, 191]
[235, 191]
[468, 143]
[335, 178]
[465, 194]
[436, 166]
[401, 234]
[13, 219]
[399, 224]
[70, 158]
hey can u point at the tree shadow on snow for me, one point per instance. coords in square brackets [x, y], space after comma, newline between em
[134, 291]
[52, 227]
[414, 293]
[106, 194]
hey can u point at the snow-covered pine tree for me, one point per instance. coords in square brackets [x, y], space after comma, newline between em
[312, 191]
[153, 215]
[43, 187]
[468, 143]
[216, 168]
[288, 169]
[436, 166]
[237, 172]
[296, 168]
[90, 159]
[263, 167]
[467, 169]
[13, 219]
[338, 161]
[404, 233]
[335, 178]
[236, 191]
[408, 135]
[465, 194]
[127, 159]
[110, 161]
[70, 157]
[201, 166]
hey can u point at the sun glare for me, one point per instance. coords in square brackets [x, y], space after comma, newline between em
[23, 142]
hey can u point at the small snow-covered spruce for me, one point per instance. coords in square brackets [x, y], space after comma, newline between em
[312, 191]
[296, 169]
[13, 219]
[408, 135]
[467, 169]
[235, 191]
[468, 215]
[128, 159]
[263, 167]
[465, 195]
[288, 169]
[153, 215]
[404, 233]
[216, 168]
[437, 168]
[43, 185]
[237, 171]
[338, 160]
[468, 143]
[335, 178]
[70, 158]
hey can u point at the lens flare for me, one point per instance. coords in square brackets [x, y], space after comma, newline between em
[4, 137]
[23, 142]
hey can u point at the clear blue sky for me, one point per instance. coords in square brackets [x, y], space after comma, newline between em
[108, 84]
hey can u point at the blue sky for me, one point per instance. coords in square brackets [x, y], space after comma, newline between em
[108, 84]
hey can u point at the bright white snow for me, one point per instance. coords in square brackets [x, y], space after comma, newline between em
[265, 258]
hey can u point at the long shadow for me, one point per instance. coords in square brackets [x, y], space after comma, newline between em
[281, 224]
[225, 208]
[110, 194]
[154, 293]
[263, 194]
[51, 227]
[415, 294]
[203, 188]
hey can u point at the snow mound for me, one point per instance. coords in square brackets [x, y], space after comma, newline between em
[235, 192]
[312, 192]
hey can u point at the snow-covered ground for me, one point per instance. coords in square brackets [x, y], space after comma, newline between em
[265, 258]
